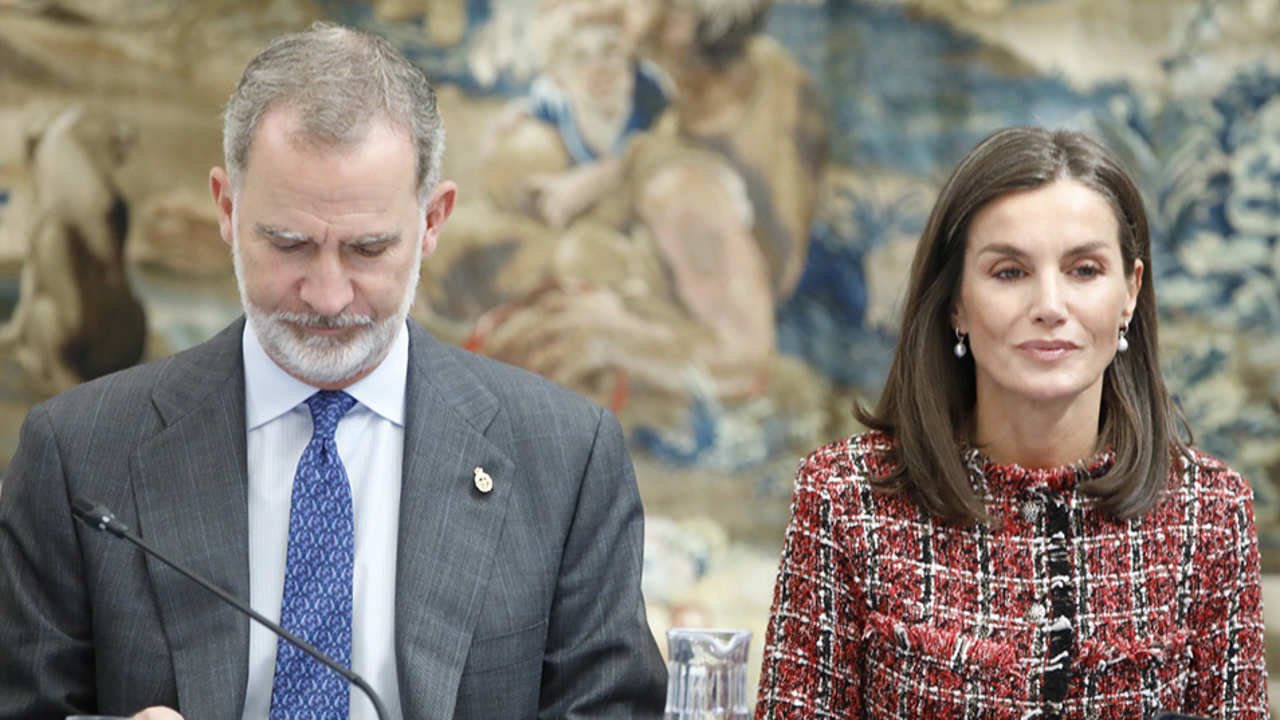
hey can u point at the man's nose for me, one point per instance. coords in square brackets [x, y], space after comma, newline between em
[326, 288]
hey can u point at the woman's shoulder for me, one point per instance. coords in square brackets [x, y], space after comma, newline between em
[838, 490]
[1205, 493]
[1208, 477]
[854, 460]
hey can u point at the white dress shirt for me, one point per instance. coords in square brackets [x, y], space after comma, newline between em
[370, 439]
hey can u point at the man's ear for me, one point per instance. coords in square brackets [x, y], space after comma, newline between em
[223, 202]
[438, 209]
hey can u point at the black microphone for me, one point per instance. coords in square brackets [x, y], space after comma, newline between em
[98, 516]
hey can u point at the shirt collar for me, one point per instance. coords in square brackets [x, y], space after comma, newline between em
[271, 392]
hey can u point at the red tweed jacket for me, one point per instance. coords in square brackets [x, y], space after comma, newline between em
[881, 612]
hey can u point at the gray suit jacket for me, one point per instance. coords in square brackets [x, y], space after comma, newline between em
[518, 603]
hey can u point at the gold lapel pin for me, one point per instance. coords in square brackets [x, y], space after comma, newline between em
[484, 483]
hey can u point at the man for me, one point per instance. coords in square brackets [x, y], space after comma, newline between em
[466, 534]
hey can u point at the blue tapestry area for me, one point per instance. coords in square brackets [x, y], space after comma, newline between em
[908, 96]
[549, 103]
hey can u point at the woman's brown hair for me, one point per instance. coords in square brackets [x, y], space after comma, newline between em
[929, 395]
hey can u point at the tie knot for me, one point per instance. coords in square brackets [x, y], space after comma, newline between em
[327, 408]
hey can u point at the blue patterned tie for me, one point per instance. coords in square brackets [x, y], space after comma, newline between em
[317, 578]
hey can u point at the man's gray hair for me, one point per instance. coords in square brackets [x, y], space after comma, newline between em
[337, 80]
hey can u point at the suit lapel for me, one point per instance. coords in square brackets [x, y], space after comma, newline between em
[190, 484]
[448, 528]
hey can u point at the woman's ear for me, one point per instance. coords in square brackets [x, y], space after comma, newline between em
[1134, 286]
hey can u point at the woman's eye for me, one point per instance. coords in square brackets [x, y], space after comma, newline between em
[1008, 273]
[1087, 271]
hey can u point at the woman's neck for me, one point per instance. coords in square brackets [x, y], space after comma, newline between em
[1036, 434]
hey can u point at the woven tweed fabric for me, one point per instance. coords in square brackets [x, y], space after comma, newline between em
[317, 598]
[1060, 612]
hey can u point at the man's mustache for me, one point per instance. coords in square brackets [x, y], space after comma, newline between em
[325, 322]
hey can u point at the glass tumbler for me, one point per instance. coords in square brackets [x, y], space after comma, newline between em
[707, 674]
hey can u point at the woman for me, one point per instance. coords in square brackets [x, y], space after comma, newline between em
[1022, 533]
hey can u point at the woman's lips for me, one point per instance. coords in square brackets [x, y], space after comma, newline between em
[1047, 350]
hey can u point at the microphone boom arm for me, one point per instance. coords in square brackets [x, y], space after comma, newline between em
[98, 517]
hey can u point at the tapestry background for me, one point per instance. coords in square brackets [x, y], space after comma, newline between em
[714, 250]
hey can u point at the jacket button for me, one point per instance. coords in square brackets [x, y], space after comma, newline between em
[1036, 612]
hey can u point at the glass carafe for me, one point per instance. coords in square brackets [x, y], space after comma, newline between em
[707, 674]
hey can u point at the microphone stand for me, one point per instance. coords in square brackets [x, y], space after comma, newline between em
[97, 516]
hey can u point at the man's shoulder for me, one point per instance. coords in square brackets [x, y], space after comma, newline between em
[524, 394]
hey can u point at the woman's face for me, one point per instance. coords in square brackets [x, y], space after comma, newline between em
[1043, 295]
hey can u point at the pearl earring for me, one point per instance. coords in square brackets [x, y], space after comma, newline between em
[959, 348]
[1122, 343]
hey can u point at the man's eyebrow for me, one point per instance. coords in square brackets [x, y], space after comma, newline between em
[280, 233]
[384, 238]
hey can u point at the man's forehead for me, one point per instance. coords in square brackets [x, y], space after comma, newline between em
[376, 161]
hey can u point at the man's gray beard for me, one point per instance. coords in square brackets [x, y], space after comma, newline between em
[321, 360]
